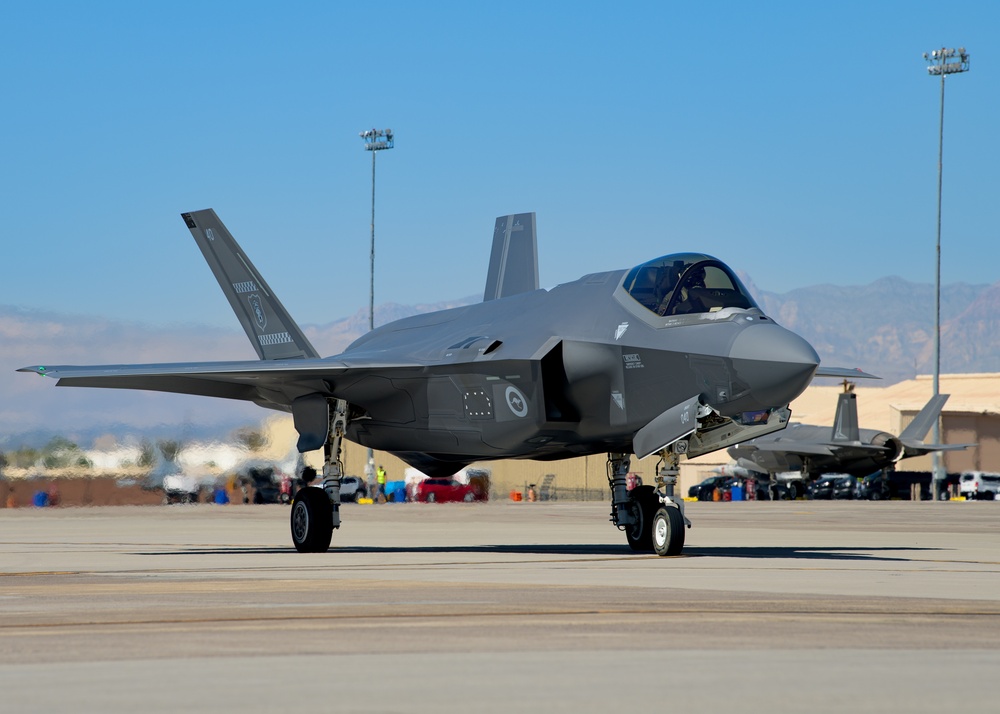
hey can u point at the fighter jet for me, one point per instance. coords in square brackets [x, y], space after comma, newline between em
[842, 448]
[670, 357]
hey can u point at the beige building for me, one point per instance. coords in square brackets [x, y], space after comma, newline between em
[971, 415]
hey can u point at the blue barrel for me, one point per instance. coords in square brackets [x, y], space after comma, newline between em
[395, 491]
[40, 499]
[737, 493]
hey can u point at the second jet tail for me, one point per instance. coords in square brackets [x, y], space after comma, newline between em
[845, 423]
[514, 257]
[271, 329]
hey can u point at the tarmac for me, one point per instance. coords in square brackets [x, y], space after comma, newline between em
[498, 607]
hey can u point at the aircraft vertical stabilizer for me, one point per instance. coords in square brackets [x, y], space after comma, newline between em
[514, 257]
[917, 429]
[845, 423]
[270, 328]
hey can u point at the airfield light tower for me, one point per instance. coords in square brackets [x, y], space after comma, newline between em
[941, 63]
[375, 140]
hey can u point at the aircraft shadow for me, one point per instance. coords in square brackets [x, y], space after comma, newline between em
[602, 550]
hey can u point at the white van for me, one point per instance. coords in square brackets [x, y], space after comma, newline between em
[979, 484]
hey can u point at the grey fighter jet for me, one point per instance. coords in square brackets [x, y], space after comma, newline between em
[842, 448]
[671, 357]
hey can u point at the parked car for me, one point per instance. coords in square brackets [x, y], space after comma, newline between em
[352, 488]
[270, 485]
[978, 485]
[788, 485]
[441, 490]
[703, 491]
[833, 486]
[180, 488]
[845, 487]
[875, 487]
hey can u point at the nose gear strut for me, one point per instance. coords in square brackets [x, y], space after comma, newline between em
[651, 516]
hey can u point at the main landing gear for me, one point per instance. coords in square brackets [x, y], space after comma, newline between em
[651, 516]
[316, 511]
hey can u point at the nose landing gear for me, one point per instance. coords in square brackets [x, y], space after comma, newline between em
[651, 516]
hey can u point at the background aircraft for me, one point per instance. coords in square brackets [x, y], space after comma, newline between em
[842, 448]
[670, 357]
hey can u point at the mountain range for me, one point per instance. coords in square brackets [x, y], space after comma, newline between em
[886, 328]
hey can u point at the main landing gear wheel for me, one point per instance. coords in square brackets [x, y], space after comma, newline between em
[312, 521]
[644, 503]
[668, 531]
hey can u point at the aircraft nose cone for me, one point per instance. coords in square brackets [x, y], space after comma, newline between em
[776, 364]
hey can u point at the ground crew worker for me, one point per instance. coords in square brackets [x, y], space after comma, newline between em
[380, 480]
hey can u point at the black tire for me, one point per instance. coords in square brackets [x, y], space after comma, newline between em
[312, 521]
[644, 502]
[668, 531]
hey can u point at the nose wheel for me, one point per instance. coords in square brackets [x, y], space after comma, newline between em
[312, 521]
[668, 531]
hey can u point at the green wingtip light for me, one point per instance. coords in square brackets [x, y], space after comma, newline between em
[41, 369]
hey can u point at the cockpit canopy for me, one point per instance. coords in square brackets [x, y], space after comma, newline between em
[686, 283]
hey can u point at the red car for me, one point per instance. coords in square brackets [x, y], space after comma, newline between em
[442, 490]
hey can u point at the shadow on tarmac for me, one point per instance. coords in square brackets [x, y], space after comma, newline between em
[604, 550]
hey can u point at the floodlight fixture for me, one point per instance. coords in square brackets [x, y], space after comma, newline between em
[377, 139]
[947, 61]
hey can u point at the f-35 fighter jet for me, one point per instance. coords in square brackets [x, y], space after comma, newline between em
[670, 357]
[842, 448]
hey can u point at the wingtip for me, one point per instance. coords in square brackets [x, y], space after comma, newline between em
[37, 369]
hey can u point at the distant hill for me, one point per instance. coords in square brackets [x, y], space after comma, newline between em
[885, 328]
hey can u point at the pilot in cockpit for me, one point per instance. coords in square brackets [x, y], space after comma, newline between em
[688, 300]
[666, 281]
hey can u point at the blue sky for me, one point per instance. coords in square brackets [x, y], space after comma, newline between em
[797, 141]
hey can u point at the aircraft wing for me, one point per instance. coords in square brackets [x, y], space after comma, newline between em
[919, 448]
[791, 447]
[270, 383]
[843, 373]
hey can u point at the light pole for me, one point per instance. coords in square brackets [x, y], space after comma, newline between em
[375, 140]
[941, 62]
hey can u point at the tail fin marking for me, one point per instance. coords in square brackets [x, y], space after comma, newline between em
[272, 331]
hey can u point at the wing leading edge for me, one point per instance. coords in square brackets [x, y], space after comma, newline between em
[274, 384]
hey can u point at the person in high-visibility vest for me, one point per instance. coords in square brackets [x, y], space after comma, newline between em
[380, 481]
